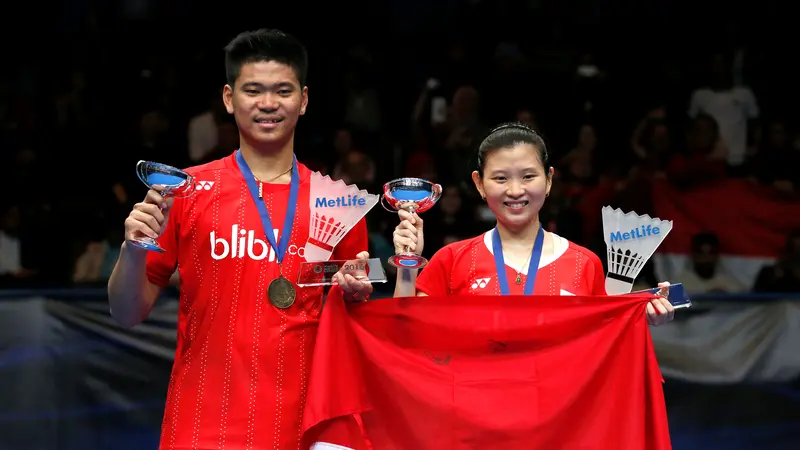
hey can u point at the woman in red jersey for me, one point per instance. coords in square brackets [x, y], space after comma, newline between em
[517, 257]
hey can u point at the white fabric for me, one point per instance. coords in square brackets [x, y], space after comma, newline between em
[560, 246]
[670, 266]
[327, 446]
[10, 257]
[731, 109]
[732, 343]
[203, 136]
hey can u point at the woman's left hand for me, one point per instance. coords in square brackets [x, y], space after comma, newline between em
[660, 310]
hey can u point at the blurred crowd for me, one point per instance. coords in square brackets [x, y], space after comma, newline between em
[69, 146]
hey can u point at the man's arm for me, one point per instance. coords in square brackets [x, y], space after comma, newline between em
[131, 294]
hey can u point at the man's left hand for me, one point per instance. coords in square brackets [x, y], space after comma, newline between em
[660, 310]
[354, 289]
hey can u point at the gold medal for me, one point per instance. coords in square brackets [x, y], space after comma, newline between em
[281, 292]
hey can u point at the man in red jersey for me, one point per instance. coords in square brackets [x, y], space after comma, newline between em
[245, 331]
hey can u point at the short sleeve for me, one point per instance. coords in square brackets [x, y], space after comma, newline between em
[595, 275]
[355, 241]
[751, 105]
[434, 278]
[695, 106]
[161, 266]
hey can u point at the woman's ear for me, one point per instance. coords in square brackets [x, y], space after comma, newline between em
[476, 178]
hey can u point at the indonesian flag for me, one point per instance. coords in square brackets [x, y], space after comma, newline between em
[511, 372]
[752, 223]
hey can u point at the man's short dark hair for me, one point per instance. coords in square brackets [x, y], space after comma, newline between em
[265, 45]
[701, 239]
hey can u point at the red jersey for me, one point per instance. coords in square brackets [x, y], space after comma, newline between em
[467, 268]
[241, 367]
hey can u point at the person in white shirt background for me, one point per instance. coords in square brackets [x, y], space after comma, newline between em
[731, 105]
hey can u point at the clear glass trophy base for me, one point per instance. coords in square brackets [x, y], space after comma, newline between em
[321, 273]
[677, 295]
[147, 244]
[408, 261]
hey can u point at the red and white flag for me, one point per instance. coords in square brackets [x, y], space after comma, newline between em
[536, 372]
[751, 222]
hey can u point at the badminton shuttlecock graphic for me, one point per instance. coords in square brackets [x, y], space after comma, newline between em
[631, 240]
[335, 208]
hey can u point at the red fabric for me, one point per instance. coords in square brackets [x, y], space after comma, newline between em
[695, 168]
[749, 220]
[467, 268]
[539, 372]
[241, 365]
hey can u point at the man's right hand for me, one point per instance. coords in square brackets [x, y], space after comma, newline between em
[148, 218]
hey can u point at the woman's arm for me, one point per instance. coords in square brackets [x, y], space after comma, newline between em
[408, 237]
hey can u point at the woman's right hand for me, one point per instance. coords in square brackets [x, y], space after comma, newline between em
[408, 235]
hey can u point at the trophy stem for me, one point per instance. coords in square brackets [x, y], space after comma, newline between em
[411, 210]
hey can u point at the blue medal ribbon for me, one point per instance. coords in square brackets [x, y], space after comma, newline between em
[291, 208]
[500, 264]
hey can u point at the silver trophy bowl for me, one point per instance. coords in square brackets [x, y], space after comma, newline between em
[169, 182]
[414, 195]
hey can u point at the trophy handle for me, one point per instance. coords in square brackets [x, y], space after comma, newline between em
[384, 203]
[436, 190]
[185, 189]
[140, 172]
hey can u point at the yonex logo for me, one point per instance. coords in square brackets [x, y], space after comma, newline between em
[480, 283]
[205, 185]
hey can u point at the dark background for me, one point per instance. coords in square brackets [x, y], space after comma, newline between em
[88, 88]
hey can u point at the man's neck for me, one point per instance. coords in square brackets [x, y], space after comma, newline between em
[268, 163]
[518, 238]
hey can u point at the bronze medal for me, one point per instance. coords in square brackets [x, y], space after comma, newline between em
[281, 292]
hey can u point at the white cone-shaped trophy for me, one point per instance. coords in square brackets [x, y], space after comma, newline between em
[631, 240]
[335, 208]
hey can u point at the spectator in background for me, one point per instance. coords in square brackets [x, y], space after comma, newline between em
[776, 160]
[705, 274]
[357, 168]
[95, 264]
[454, 139]
[527, 117]
[75, 108]
[704, 158]
[577, 165]
[731, 106]
[651, 140]
[12, 265]
[203, 130]
[151, 138]
[450, 221]
[362, 104]
[227, 141]
[784, 275]
[589, 83]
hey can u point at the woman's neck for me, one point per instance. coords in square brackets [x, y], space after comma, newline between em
[269, 162]
[522, 237]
